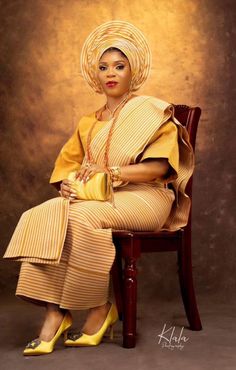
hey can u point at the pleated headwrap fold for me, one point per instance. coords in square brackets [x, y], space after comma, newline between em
[127, 38]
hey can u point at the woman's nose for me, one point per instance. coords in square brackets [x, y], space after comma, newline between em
[110, 72]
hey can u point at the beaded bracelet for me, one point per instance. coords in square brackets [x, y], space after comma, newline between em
[115, 173]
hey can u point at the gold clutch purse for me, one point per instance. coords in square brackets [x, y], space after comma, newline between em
[96, 188]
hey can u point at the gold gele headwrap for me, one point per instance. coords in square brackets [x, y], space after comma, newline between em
[124, 36]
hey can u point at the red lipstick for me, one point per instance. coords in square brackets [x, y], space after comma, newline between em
[111, 83]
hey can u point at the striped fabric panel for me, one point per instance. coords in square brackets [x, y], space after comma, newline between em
[179, 214]
[82, 278]
[41, 231]
[132, 131]
[71, 288]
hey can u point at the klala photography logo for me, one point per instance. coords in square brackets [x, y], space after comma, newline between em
[170, 339]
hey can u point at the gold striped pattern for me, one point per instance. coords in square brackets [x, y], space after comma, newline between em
[36, 234]
[127, 38]
[72, 268]
[137, 123]
[82, 278]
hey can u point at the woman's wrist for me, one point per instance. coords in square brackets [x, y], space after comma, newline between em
[115, 173]
[140, 172]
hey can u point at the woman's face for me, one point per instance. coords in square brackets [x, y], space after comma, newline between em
[114, 73]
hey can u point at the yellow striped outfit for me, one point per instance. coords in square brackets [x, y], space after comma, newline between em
[66, 246]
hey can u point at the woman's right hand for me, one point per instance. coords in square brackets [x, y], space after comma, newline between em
[66, 190]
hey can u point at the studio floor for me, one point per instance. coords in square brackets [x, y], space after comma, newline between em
[213, 348]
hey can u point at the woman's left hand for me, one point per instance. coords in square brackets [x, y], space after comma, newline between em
[87, 172]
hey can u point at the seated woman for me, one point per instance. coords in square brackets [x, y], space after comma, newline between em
[65, 244]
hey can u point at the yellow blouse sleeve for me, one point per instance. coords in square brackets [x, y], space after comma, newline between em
[164, 144]
[69, 158]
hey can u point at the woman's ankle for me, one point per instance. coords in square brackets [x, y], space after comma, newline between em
[52, 322]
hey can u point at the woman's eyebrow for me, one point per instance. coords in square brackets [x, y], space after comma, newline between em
[116, 61]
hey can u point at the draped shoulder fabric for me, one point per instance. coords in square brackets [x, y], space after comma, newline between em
[141, 121]
[145, 128]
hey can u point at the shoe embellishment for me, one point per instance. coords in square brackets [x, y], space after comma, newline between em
[41, 347]
[34, 343]
[74, 336]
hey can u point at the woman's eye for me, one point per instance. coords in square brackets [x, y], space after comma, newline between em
[121, 66]
[104, 68]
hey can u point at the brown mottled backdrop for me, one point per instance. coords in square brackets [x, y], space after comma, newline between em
[43, 96]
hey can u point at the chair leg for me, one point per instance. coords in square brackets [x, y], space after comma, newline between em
[186, 285]
[130, 300]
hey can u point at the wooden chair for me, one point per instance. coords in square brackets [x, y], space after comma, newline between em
[130, 245]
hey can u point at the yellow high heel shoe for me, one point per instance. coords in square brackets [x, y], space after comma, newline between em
[82, 339]
[40, 347]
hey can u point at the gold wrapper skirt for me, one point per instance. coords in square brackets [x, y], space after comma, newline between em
[81, 279]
